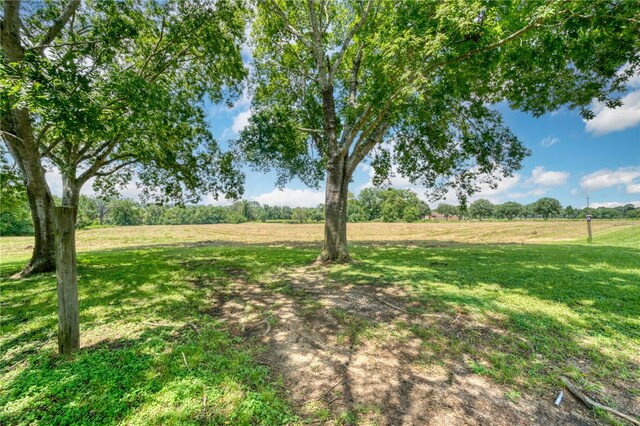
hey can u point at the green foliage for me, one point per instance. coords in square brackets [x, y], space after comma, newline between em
[547, 207]
[15, 217]
[333, 78]
[125, 212]
[388, 205]
[15, 220]
[402, 205]
[509, 210]
[371, 200]
[299, 215]
[87, 212]
[481, 209]
[447, 209]
[121, 91]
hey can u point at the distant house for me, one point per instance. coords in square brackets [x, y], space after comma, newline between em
[440, 216]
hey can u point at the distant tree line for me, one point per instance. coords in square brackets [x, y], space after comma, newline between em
[125, 212]
[387, 205]
[372, 204]
[544, 208]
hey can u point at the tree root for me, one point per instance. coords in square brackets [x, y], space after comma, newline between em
[33, 268]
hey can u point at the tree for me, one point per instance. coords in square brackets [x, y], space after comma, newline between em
[547, 207]
[416, 80]
[125, 213]
[371, 200]
[447, 210]
[317, 214]
[102, 208]
[481, 208]
[509, 210]
[402, 205]
[87, 212]
[300, 215]
[14, 208]
[112, 89]
[106, 91]
[153, 214]
[570, 212]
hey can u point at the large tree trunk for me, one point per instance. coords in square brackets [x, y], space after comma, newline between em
[337, 191]
[335, 222]
[41, 204]
[25, 154]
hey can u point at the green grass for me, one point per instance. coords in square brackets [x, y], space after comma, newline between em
[539, 311]
[141, 310]
[542, 308]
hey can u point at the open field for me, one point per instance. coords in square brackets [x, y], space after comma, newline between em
[287, 234]
[435, 323]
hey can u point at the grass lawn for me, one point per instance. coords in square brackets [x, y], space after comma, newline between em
[517, 304]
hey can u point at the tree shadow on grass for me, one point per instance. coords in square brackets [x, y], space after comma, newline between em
[367, 353]
[527, 312]
[588, 280]
[594, 288]
[132, 304]
[162, 376]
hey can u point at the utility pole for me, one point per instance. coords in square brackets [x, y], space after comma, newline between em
[588, 220]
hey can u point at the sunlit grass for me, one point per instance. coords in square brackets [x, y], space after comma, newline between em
[153, 353]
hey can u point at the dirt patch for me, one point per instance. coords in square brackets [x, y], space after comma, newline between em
[354, 354]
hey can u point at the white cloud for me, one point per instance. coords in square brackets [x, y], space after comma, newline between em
[551, 178]
[240, 121]
[54, 179]
[605, 178]
[495, 195]
[290, 197]
[634, 81]
[613, 204]
[612, 120]
[549, 141]
[209, 200]
[634, 188]
[498, 193]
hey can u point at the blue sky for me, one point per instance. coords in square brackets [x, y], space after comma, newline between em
[570, 158]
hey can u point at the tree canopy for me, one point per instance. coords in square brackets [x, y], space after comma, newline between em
[481, 208]
[111, 91]
[410, 85]
[121, 88]
[547, 207]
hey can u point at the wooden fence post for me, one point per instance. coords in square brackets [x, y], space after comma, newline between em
[68, 312]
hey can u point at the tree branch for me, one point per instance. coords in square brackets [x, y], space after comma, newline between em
[10, 31]
[155, 47]
[105, 149]
[353, 82]
[58, 25]
[347, 42]
[271, 5]
[314, 131]
[362, 149]
[115, 169]
[40, 48]
[47, 152]
[318, 49]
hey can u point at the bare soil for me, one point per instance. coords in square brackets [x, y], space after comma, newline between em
[343, 359]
